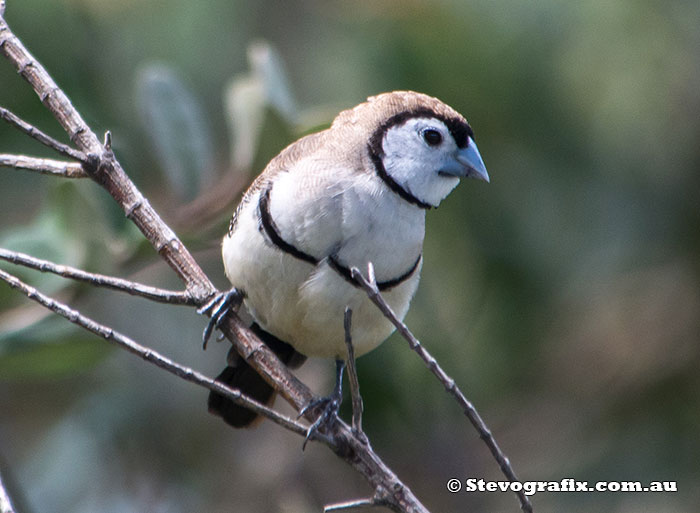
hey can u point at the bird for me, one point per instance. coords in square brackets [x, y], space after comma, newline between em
[353, 194]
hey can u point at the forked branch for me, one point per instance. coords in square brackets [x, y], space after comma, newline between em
[370, 286]
[148, 354]
[101, 165]
[43, 166]
[98, 280]
[40, 136]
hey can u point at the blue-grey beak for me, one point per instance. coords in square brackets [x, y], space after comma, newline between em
[467, 163]
[473, 164]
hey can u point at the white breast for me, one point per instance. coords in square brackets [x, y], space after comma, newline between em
[303, 304]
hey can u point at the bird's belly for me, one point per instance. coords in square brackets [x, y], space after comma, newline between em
[323, 298]
[304, 304]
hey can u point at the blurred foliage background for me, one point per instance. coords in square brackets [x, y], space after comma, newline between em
[563, 297]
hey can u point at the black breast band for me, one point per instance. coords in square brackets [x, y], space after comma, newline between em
[271, 230]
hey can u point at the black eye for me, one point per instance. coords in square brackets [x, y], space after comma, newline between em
[432, 136]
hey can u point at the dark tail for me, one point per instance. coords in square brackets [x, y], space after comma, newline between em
[238, 374]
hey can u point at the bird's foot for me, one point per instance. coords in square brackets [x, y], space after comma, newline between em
[328, 406]
[217, 308]
[328, 414]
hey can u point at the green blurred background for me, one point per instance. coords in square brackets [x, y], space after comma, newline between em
[564, 297]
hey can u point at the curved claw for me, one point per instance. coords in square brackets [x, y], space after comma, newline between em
[330, 404]
[219, 306]
[326, 418]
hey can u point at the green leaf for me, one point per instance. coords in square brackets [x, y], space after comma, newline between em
[48, 237]
[266, 63]
[245, 102]
[48, 349]
[248, 96]
[70, 229]
[176, 125]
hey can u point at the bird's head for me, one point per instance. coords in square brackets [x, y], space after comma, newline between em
[420, 146]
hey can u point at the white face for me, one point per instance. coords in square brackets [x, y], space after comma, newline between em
[416, 154]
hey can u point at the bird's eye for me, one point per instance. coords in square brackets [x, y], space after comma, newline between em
[432, 136]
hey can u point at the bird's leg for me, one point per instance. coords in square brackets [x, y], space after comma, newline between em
[329, 404]
[220, 305]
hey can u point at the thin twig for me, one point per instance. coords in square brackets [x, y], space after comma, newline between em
[342, 506]
[104, 168]
[381, 498]
[372, 290]
[98, 280]
[108, 172]
[43, 166]
[40, 136]
[148, 354]
[6, 505]
[352, 376]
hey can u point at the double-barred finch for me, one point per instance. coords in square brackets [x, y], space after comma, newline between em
[352, 194]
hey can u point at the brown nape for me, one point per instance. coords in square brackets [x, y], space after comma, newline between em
[238, 374]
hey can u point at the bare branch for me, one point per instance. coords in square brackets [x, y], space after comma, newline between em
[107, 171]
[103, 167]
[379, 499]
[6, 505]
[40, 136]
[98, 280]
[372, 290]
[341, 440]
[148, 354]
[342, 506]
[352, 376]
[43, 166]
